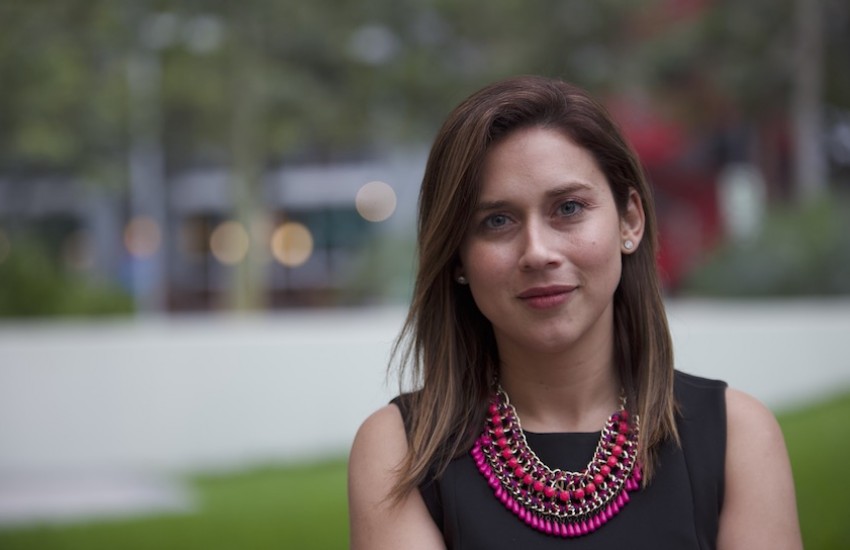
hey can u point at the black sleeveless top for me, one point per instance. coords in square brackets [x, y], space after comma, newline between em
[678, 510]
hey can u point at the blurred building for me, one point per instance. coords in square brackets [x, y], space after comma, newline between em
[307, 232]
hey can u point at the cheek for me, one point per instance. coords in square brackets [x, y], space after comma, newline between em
[599, 253]
[488, 270]
[481, 260]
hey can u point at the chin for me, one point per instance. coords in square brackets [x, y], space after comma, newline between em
[554, 343]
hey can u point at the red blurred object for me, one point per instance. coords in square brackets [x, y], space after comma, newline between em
[683, 171]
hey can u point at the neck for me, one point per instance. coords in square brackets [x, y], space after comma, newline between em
[562, 392]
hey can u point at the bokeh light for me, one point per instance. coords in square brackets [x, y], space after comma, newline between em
[375, 201]
[142, 237]
[229, 242]
[292, 244]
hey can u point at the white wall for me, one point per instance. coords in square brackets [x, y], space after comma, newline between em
[193, 393]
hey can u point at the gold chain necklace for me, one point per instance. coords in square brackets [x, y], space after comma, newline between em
[557, 502]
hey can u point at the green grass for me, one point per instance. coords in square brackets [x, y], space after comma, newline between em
[818, 440]
[299, 507]
[304, 506]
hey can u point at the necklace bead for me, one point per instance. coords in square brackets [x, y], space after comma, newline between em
[558, 502]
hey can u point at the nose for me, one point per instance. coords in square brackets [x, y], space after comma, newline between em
[541, 247]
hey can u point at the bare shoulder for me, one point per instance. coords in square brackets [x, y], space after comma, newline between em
[381, 435]
[376, 520]
[747, 415]
[759, 508]
[376, 454]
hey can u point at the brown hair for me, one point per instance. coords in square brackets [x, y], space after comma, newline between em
[447, 346]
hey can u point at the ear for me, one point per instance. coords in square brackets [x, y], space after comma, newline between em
[632, 223]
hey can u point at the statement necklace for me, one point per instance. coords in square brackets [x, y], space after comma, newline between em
[558, 502]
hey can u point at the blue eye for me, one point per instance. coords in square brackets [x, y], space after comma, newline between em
[569, 208]
[496, 220]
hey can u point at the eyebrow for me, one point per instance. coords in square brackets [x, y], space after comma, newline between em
[555, 192]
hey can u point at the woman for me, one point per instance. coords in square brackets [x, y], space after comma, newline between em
[549, 412]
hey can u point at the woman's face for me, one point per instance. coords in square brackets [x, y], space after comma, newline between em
[543, 251]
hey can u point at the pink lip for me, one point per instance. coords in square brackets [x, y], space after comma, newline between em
[544, 297]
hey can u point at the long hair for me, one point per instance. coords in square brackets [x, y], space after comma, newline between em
[447, 348]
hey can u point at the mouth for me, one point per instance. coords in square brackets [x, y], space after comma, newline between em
[544, 297]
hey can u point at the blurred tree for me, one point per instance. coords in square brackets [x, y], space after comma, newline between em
[243, 86]
[337, 79]
[807, 101]
[62, 98]
[774, 63]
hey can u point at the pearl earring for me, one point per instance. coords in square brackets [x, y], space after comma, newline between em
[461, 280]
[628, 245]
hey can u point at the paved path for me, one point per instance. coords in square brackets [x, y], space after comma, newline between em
[121, 399]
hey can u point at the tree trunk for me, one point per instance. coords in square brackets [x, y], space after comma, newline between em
[810, 168]
[248, 158]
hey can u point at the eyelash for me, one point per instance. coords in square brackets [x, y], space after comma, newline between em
[578, 204]
[487, 223]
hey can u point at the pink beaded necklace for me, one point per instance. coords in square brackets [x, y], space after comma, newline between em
[557, 502]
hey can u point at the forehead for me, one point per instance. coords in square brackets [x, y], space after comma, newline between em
[534, 157]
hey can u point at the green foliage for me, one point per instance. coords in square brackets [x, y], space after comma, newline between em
[295, 66]
[66, 103]
[62, 101]
[32, 284]
[799, 251]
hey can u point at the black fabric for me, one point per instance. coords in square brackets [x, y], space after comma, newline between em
[679, 509]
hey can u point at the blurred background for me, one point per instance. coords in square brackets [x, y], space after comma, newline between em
[207, 226]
